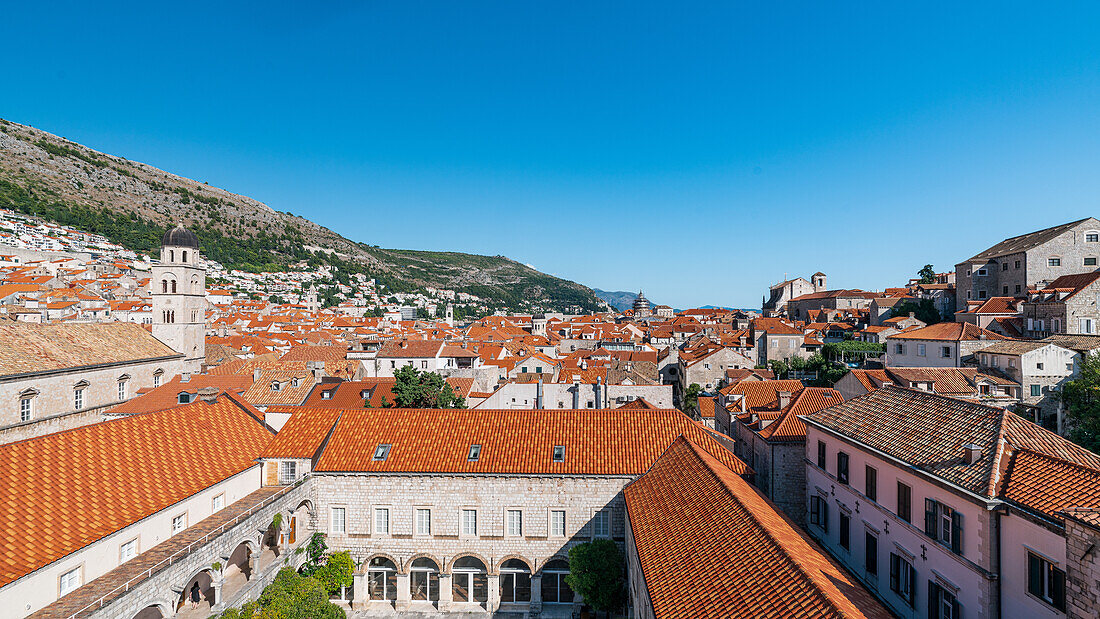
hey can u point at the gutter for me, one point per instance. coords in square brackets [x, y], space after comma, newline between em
[95, 366]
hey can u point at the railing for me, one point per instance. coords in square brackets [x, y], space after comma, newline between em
[124, 587]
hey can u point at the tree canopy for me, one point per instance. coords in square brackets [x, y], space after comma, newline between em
[1081, 397]
[923, 310]
[927, 274]
[289, 596]
[416, 389]
[691, 398]
[597, 572]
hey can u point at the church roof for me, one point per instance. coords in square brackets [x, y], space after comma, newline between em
[180, 237]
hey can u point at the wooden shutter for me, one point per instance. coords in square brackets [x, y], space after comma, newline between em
[895, 572]
[930, 518]
[1058, 591]
[1034, 575]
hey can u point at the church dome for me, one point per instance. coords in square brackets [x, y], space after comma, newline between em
[180, 237]
[641, 303]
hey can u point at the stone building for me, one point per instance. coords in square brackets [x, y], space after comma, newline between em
[779, 294]
[1013, 266]
[799, 308]
[1067, 305]
[642, 307]
[58, 376]
[1041, 369]
[944, 344]
[474, 510]
[966, 521]
[178, 287]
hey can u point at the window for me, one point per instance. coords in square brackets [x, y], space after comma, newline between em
[470, 580]
[981, 294]
[127, 551]
[1036, 391]
[156, 380]
[424, 580]
[217, 503]
[945, 352]
[1046, 582]
[819, 512]
[78, 399]
[475, 453]
[423, 522]
[821, 455]
[842, 467]
[1054, 262]
[899, 349]
[870, 483]
[942, 604]
[1090, 262]
[903, 579]
[179, 523]
[559, 453]
[870, 553]
[905, 502]
[1017, 266]
[469, 522]
[920, 350]
[288, 472]
[338, 520]
[122, 390]
[1017, 288]
[515, 582]
[1004, 289]
[326, 395]
[554, 589]
[1092, 237]
[381, 520]
[26, 408]
[382, 579]
[1004, 266]
[184, 397]
[601, 524]
[845, 531]
[943, 524]
[515, 522]
[70, 581]
[381, 452]
[981, 272]
[423, 365]
[557, 523]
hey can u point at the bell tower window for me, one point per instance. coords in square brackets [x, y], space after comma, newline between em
[171, 255]
[185, 256]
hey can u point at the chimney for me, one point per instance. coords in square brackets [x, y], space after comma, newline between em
[784, 399]
[185, 377]
[538, 394]
[256, 375]
[971, 453]
[209, 394]
[912, 314]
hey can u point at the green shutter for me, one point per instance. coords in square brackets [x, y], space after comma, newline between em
[933, 602]
[930, 518]
[1034, 575]
[956, 533]
[895, 572]
[1059, 590]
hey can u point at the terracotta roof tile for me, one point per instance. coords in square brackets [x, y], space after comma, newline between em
[31, 347]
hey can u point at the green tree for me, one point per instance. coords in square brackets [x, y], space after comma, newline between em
[289, 596]
[315, 555]
[923, 310]
[927, 274]
[597, 572]
[691, 397]
[1081, 397]
[415, 389]
[336, 572]
[779, 367]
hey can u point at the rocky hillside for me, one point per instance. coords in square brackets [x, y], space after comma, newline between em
[132, 203]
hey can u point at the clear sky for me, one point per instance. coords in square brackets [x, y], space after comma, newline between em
[699, 152]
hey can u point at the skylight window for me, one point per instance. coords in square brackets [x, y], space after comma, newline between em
[475, 453]
[559, 453]
[381, 452]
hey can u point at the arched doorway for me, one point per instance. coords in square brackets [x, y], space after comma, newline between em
[382, 579]
[470, 580]
[238, 569]
[515, 582]
[197, 596]
[554, 589]
[150, 612]
[424, 580]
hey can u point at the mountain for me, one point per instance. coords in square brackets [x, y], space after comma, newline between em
[132, 204]
[618, 299]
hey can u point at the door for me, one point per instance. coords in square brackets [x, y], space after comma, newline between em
[293, 528]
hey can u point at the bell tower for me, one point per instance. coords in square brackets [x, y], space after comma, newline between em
[178, 287]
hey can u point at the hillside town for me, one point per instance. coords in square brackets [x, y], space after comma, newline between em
[191, 441]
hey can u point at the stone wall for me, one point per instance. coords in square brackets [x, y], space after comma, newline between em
[1082, 565]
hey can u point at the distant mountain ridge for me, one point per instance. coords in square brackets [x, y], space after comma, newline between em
[132, 204]
[618, 299]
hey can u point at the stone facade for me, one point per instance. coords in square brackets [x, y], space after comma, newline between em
[780, 470]
[1082, 564]
[178, 287]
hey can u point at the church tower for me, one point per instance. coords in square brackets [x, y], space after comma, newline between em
[178, 286]
[312, 304]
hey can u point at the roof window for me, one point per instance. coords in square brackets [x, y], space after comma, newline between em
[475, 453]
[381, 452]
[326, 395]
[559, 453]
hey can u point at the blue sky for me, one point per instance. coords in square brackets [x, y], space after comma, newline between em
[698, 152]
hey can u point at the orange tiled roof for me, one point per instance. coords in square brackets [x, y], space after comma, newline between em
[167, 395]
[83, 484]
[706, 540]
[597, 442]
[948, 332]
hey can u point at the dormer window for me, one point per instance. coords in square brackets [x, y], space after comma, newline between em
[276, 386]
[326, 395]
[382, 452]
[559, 453]
[184, 398]
[294, 383]
[475, 453]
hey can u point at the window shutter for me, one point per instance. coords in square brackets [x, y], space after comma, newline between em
[930, 518]
[933, 603]
[1034, 575]
[895, 573]
[956, 533]
[956, 611]
[912, 587]
[1058, 591]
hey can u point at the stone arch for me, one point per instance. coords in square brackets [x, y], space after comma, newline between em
[530, 564]
[420, 555]
[541, 564]
[489, 565]
[204, 577]
[157, 609]
[309, 506]
[385, 555]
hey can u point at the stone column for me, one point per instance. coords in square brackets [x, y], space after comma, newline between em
[494, 592]
[536, 594]
[404, 592]
[216, 585]
[446, 592]
[359, 590]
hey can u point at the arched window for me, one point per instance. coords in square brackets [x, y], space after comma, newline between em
[164, 285]
[185, 255]
[173, 286]
[470, 581]
[515, 582]
[171, 255]
[382, 579]
[424, 580]
[554, 589]
[157, 377]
